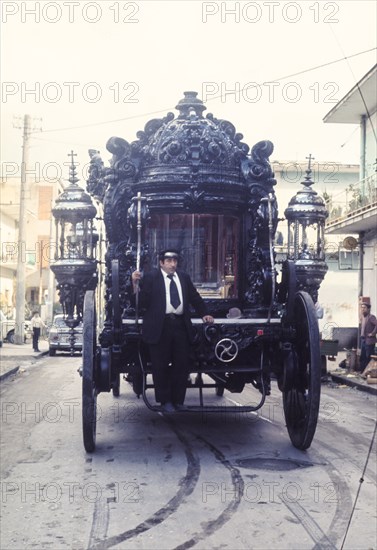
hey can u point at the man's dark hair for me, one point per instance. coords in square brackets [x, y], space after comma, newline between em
[168, 253]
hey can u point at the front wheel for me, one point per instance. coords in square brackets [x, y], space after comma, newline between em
[89, 390]
[301, 394]
[116, 386]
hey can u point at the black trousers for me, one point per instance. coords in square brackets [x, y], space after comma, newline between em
[36, 335]
[170, 361]
[366, 351]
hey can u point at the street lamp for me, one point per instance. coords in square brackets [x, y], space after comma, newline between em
[75, 266]
[306, 214]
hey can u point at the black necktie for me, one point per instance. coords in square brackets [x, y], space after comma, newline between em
[174, 296]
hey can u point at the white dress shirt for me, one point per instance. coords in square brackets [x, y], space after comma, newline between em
[169, 307]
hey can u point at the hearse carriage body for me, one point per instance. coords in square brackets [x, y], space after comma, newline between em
[189, 182]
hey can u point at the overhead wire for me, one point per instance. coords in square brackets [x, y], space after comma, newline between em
[151, 113]
[357, 83]
[361, 480]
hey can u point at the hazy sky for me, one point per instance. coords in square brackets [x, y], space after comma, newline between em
[80, 64]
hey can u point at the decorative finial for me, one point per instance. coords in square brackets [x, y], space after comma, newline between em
[190, 103]
[310, 158]
[308, 180]
[73, 179]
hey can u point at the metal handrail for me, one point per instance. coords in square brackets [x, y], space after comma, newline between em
[356, 198]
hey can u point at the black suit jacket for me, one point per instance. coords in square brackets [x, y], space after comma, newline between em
[152, 297]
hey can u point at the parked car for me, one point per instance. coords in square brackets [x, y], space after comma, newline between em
[59, 336]
[7, 333]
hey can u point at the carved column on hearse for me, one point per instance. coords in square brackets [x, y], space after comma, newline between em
[263, 211]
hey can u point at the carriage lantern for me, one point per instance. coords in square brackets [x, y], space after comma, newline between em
[306, 215]
[75, 266]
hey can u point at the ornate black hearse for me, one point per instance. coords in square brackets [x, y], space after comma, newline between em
[190, 182]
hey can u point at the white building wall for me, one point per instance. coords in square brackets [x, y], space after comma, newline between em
[370, 273]
[338, 296]
[370, 145]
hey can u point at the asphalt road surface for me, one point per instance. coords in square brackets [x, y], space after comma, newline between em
[224, 481]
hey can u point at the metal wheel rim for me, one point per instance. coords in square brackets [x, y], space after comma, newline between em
[89, 391]
[301, 401]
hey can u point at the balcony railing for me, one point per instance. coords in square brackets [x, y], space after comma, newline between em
[356, 199]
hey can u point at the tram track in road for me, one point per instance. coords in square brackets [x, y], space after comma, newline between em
[311, 527]
[211, 526]
[344, 502]
[97, 540]
[308, 523]
[196, 477]
[323, 534]
[204, 446]
[322, 541]
[344, 498]
[101, 512]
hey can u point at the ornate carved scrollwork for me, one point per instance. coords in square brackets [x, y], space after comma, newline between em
[96, 184]
[257, 167]
[197, 164]
[194, 199]
[261, 205]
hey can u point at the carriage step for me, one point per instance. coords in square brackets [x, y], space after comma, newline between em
[207, 409]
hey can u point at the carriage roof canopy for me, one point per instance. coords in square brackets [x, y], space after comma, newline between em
[200, 159]
[196, 164]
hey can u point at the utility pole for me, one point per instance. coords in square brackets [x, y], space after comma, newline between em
[21, 250]
[40, 296]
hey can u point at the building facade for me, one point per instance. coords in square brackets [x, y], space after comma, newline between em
[35, 251]
[353, 212]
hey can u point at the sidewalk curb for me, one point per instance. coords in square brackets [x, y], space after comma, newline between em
[354, 384]
[9, 373]
[21, 359]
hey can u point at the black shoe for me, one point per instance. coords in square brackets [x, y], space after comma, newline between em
[167, 407]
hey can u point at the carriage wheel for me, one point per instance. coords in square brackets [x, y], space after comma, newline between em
[89, 391]
[117, 322]
[301, 396]
[116, 386]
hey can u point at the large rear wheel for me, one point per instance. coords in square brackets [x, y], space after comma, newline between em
[117, 328]
[302, 388]
[89, 390]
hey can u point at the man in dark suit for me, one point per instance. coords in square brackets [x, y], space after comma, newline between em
[166, 295]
